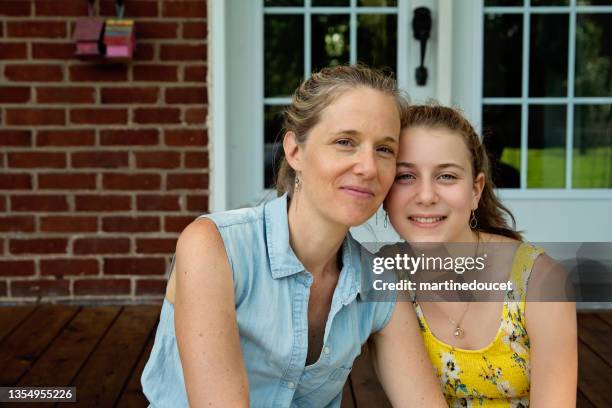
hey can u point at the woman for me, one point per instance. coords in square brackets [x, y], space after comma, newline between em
[263, 305]
[492, 354]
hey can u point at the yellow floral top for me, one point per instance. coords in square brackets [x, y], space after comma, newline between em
[498, 374]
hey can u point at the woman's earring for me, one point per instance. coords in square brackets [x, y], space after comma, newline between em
[386, 219]
[473, 221]
[298, 183]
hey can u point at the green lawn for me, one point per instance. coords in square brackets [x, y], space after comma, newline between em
[546, 167]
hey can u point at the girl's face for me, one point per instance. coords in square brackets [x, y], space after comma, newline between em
[347, 164]
[434, 191]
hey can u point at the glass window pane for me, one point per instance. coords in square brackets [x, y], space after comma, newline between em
[377, 40]
[592, 154]
[377, 3]
[284, 53]
[594, 55]
[594, 2]
[503, 2]
[330, 41]
[548, 55]
[546, 153]
[549, 2]
[284, 3]
[273, 147]
[503, 35]
[330, 3]
[502, 139]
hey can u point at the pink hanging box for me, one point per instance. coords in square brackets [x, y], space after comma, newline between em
[119, 37]
[88, 35]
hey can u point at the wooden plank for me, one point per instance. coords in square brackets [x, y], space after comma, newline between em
[594, 377]
[24, 345]
[10, 317]
[132, 395]
[596, 334]
[60, 363]
[104, 375]
[367, 390]
[606, 317]
[347, 396]
[582, 401]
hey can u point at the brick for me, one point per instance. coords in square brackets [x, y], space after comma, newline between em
[68, 224]
[186, 95]
[197, 30]
[17, 224]
[134, 266]
[197, 203]
[195, 73]
[33, 203]
[14, 94]
[98, 73]
[133, 8]
[66, 95]
[38, 246]
[196, 115]
[3, 285]
[177, 223]
[129, 95]
[196, 160]
[156, 73]
[157, 115]
[40, 288]
[159, 160]
[2, 203]
[16, 268]
[65, 137]
[186, 137]
[151, 287]
[155, 245]
[102, 287]
[98, 116]
[187, 181]
[35, 117]
[15, 8]
[14, 137]
[67, 181]
[151, 202]
[144, 52]
[103, 203]
[124, 137]
[130, 224]
[114, 181]
[99, 159]
[101, 246]
[15, 181]
[36, 160]
[68, 267]
[189, 9]
[13, 51]
[53, 51]
[182, 52]
[68, 8]
[36, 29]
[156, 30]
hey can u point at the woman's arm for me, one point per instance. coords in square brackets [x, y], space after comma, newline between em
[402, 363]
[553, 338]
[205, 320]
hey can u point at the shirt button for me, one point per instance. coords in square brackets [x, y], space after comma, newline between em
[291, 385]
[326, 350]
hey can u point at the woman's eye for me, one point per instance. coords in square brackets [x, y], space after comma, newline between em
[404, 177]
[386, 150]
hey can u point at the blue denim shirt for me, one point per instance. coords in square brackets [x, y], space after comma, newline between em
[271, 288]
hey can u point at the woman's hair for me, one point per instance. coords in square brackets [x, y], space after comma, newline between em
[318, 92]
[490, 211]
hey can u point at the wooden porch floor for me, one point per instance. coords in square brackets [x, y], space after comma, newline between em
[102, 351]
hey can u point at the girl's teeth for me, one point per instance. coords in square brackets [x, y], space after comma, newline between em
[428, 220]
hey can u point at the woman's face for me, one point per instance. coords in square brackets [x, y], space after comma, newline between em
[434, 191]
[347, 163]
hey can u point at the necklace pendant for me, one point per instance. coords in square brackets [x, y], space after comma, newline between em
[458, 332]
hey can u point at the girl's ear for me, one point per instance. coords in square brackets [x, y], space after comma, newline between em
[479, 184]
[292, 151]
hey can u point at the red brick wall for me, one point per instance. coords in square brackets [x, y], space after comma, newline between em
[101, 166]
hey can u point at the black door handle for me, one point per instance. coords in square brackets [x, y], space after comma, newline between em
[421, 27]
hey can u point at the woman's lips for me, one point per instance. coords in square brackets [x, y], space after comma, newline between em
[358, 192]
[426, 221]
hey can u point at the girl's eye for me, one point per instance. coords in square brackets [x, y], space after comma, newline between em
[344, 142]
[447, 177]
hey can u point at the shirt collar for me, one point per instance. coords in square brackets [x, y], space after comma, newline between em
[284, 262]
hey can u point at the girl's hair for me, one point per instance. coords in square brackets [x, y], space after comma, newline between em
[490, 211]
[318, 92]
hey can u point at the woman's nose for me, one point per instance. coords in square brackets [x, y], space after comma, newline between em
[366, 164]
